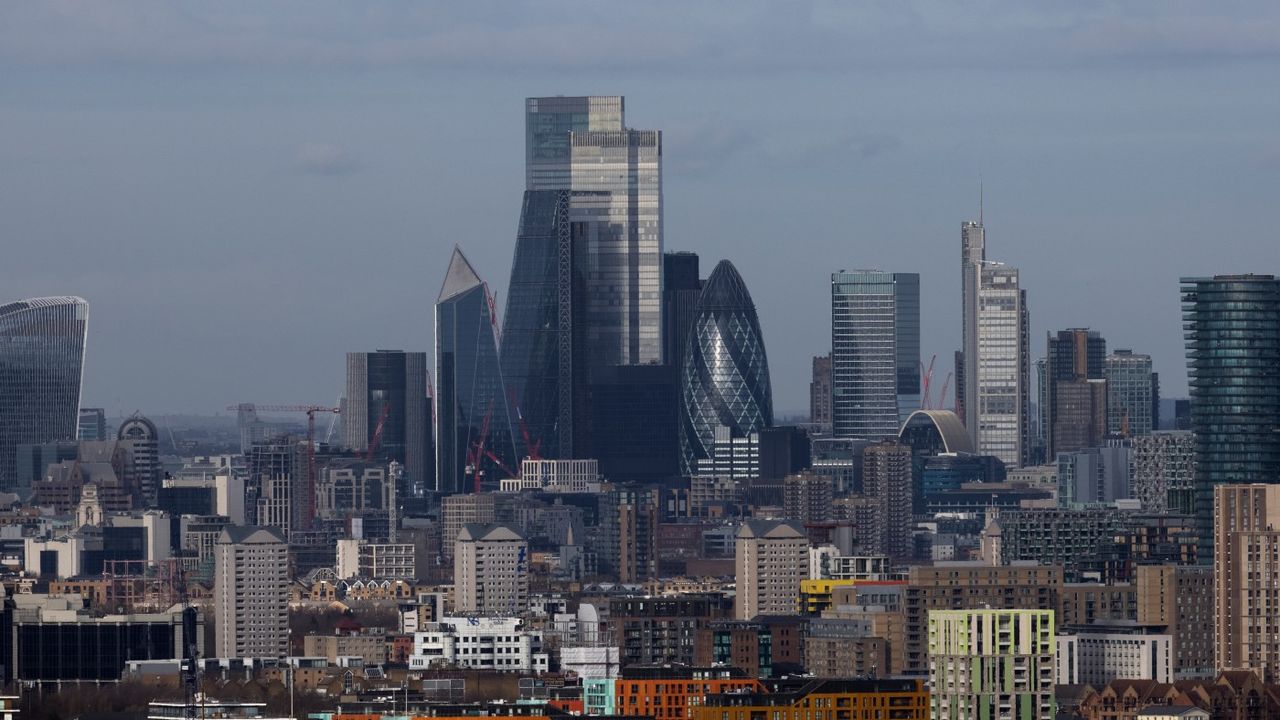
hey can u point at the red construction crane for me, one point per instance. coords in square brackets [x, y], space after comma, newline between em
[942, 397]
[925, 377]
[376, 440]
[311, 411]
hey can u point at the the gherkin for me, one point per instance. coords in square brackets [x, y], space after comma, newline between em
[724, 379]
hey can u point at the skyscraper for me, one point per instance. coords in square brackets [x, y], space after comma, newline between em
[582, 144]
[1232, 328]
[474, 446]
[681, 287]
[93, 424]
[725, 377]
[820, 394]
[973, 252]
[1133, 398]
[41, 365]
[1075, 369]
[1246, 528]
[875, 352]
[142, 472]
[999, 372]
[387, 398]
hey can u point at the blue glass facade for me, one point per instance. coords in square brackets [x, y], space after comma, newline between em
[41, 366]
[474, 446]
[537, 333]
[725, 375]
[1231, 325]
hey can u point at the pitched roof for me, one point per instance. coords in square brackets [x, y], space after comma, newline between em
[770, 529]
[250, 535]
[494, 533]
[459, 278]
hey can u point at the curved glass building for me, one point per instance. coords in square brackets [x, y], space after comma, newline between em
[1231, 324]
[41, 367]
[724, 380]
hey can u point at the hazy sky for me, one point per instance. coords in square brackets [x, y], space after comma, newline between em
[244, 191]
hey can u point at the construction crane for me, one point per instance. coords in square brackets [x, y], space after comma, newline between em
[376, 440]
[942, 397]
[925, 377]
[311, 411]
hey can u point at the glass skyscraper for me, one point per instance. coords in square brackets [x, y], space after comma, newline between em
[1132, 394]
[389, 388]
[474, 445]
[42, 343]
[725, 378]
[875, 352]
[582, 144]
[1231, 324]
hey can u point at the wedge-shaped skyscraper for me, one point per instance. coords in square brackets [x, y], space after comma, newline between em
[474, 448]
[725, 378]
[41, 366]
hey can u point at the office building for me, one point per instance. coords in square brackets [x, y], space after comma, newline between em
[1164, 466]
[141, 472]
[1133, 397]
[556, 476]
[276, 476]
[490, 571]
[251, 594]
[1105, 653]
[991, 664]
[875, 352]
[42, 344]
[820, 394]
[93, 424]
[634, 423]
[479, 643]
[459, 510]
[1246, 563]
[1094, 475]
[1232, 328]
[973, 253]
[771, 557]
[387, 402]
[681, 286]
[474, 446]
[998, 418]
[1076, 390]
[725, 377]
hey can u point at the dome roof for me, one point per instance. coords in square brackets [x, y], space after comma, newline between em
[725, 289]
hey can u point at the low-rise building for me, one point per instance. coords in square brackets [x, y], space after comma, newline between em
[481, 643]
[1098, 655]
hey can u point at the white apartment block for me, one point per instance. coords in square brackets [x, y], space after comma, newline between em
[251, 594]
[1099, 658]
[490, 571]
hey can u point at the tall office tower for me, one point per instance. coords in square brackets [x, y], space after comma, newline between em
[93, 424]
[275, 471]
[539, 347]
[1246, 563]
[1039, 435]
[681, 286]
[725, 377]
[387, 398]
[1132, 398]
[886, 483]
[1164, 469]
[1232, 328]
[820, 394]
[770, 559]
[142, 472]
[491, 571]
[992, 664]
[1075, 373]
[635, 415]
[251, 593]
[973, 253]
[998, 381]
[41, 366]
[474, 447]
[581, 144]
[875, 352]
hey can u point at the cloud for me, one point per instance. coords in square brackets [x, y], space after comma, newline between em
[673, 35]
[324, 159]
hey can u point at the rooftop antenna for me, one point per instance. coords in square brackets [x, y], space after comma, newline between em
[980, 200]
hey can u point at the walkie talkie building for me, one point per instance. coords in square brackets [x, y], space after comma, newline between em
[41, 367]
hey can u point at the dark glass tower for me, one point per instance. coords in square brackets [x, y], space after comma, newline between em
[537, 333]
[474, 448]
[724, 380]
[388, 389]
[41, 366]
[1075, 414]
[1232, 328]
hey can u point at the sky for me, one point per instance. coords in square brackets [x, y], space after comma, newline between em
[245, 191]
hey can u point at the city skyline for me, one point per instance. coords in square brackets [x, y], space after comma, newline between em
[284, 175]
